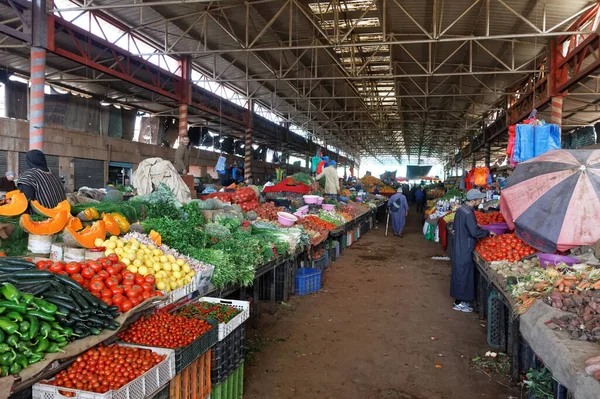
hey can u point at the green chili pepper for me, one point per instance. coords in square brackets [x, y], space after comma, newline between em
[21, 360]
[43, 345]
[41, 315]
[56, 325]
[4, 348]
[26, 298]
[12, 340]
[14, 316]
[36, 357]
[34, 326]
[8, 326]
[28, 353]
[6, 359]
[44, 306]
[15, 368]
[2, 309]
[22, 346]
[62, 343]
[17, 307]
[45, 329]
[24, 328]
[55, 335]
[10, 292]
[53, 348]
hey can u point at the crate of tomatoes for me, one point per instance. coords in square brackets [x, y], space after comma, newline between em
[503, 247]
[111, 372]
[226, 326]
[189, 337]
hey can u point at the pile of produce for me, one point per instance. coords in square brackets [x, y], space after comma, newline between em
[302, 177]
[319, 223]
[370, 182]
[165, 330]
[453, 192]
[268, 211]
[332, 217]
[435, 192]
[106, 279]
[514, 269]
[246, 198]
[484, 219]
[208, 310]
[105, 368]
[503, 247]
[449, 217]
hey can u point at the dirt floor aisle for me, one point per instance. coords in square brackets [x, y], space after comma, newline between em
[376, 330]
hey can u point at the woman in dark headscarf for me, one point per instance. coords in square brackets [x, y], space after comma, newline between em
[38, 183]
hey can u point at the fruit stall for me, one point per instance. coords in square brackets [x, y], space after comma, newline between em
[538, 284]
[156, 291]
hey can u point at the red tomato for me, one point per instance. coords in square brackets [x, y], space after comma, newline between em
[118, 299]
[150, 279]
[57, 267]
[114, 258]
[107, 301]
[111, 270]
[119, 267]
[126, 306]
[112, 281]
[106, 293]
[95, 266]
[128, 278]
[96, 285]
[103, 274]
[139, 279]
[135, 290]
[78, 278]
[147, 287]
[41, 264]
[105, 262]
[87, 273]
[118, 289]
[146, 295]
[73, 267]
[136, 300]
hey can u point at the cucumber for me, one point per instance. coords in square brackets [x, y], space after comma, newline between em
[79, 299]
[57, 295]
[33, 274]
[70, 305]
[92, 300]
[69, 282]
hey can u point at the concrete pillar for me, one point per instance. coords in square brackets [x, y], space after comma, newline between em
[183, 117]
[557, 110]
[36, 98]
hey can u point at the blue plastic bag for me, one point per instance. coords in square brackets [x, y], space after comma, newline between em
[547, 138]
[524, 143]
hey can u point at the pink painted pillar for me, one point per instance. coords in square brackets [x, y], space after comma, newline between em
[183, 117]
[36, 98]
[557, 110]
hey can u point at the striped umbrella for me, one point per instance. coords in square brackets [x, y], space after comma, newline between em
[553, 200]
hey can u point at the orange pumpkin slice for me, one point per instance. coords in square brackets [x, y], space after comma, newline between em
[17, 204]
[50, 212]
[112, 228]
[46, 227]
[85, 238]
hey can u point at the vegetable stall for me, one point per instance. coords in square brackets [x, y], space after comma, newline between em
[85, 286]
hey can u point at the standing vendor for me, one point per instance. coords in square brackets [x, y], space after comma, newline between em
[7, 183]
[332, 181]
[182, 156]
[398, 206]
[466, 233]
[38, 183]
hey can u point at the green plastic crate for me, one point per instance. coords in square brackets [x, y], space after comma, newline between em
[232, 387]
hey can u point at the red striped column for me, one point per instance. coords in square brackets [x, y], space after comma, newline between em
[36, 98]
[557, 110]
[183, 116]
[248, 156]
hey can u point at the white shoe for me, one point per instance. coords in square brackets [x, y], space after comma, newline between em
[463, 307]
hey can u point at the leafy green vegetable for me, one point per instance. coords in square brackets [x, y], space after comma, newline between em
[183, 237]
[216, 230]
[163, 210]
[193, 214]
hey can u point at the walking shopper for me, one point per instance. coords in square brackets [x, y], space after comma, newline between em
[182, 155]
[466, 233]
[420, 199]
[398, 206]
[38, 183]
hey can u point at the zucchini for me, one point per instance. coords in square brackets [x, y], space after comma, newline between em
[79, 299]
[69, 282]
[70, 305]
[58, 287]
[33, 274]
[57, 295]
[92, 300]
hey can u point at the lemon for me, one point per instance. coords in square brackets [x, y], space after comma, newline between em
[157, 252]
[114, 238]
[111, 245]
[186, 268]
[175, 267]
[163, 259]
[143, 270]
[156, 267]
[99, 242]
[173, 285]
[171, 258]
[192, 273]
[131, 256]
[132, 268]
[172, 278]
[120, 244]
[148, 262]
[126, 261]
[108, 252]
[180, 262]
[137, 263]
[167, 267]
[160, 285]
[119, 251]
[177, 275]
[156, 259]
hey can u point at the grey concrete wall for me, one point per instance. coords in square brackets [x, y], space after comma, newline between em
[69, 144]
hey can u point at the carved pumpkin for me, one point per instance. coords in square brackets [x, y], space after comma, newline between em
[86, 237]
[112, 228]
[46, 227]
[50, 212]
[16, 205]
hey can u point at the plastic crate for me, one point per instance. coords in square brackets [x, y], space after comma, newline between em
[194, 381]
[265, 281]
[349, 238]
[163, 393]
[227, 355]
[496, 331]
[226, 328]
[307, 281]
[142, 387]
[322, 262]
[232, 387]
[180, 293]
[334, 251]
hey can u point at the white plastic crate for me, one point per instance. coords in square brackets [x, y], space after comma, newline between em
[142, 387]
[180, 293]
[226, 328]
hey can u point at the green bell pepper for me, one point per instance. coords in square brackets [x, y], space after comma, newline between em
[10, 292]
[6, 359]
[45, 329]
[55, 335]
[17, 307]
[34, 326]
[36, 357]
[21, 360]
[15, 368]
[14, 316]
[24, 328]
[41, 315]
[53, 348]
[45, 306]
[4, 348]
[27, 298]
[12, 340]
[43, 345]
